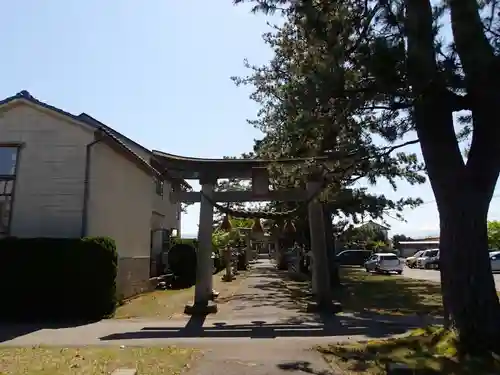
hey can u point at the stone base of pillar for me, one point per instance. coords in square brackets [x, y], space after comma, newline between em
[228, 278]
[328, 307]
[214, 294]
[198, 309]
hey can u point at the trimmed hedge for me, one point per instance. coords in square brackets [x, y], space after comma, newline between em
[184, 265]
[57, 279]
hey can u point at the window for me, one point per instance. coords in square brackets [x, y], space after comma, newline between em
[390, 257]
[8, 169]
[159, 187]
[8, 161]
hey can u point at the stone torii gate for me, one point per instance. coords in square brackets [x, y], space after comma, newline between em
[208, 171]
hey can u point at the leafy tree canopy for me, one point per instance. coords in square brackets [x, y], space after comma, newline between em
[363, 237]
[299, 118]
[494, 234]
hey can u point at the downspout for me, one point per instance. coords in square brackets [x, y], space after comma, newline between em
[88, 150]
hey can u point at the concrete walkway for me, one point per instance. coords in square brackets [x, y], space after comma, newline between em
[259, 330]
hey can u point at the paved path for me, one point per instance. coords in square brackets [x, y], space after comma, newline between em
[434, 275]
[260, 330]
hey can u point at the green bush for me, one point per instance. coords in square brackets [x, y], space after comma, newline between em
[193, 242]
[190, 265]
[182, 263]
[57, 279]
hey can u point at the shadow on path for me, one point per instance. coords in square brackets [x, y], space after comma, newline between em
[265, 292]
[196, 328]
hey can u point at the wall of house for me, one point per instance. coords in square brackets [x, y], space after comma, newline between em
[170, 211]
[161, 203]
[48, 195]
[120, 206]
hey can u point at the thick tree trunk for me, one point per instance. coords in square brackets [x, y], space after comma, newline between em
[467, 278]
[463, 191]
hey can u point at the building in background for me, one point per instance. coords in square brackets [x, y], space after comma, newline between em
[408, 248]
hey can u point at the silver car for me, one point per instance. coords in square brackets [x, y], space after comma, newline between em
[427, 257]
[384, 263]
[495, 261]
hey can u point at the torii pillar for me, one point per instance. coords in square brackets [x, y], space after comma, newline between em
[203, 304]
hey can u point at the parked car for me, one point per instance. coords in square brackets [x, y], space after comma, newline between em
[353, 257]
[384, 263]
[411, 262]
[495, 261]
[433, 264]
[427, 257]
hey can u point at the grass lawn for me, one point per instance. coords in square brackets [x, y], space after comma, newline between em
[93, 360]
[426, 349]
[381, 294]
[163, 304]
[389, 294]
[423, 349]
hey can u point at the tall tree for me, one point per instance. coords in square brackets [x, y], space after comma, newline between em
[232, 184]
[382, 68]
[494, 234]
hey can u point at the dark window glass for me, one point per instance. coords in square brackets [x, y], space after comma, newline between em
[8, 166]
[8, 160]
[389, 257]
[159, 187]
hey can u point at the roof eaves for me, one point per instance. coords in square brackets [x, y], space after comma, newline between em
[182, 182]
[98, 125]
[127, 149]
[121, 138]
[25, 95]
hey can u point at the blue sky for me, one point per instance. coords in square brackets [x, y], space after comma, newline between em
[157, 71]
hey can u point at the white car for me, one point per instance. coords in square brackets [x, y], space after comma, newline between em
[384, 262]
[427, 257]
[495, 261]
[411, 262]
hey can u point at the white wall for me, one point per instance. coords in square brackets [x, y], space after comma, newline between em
[161, 204]
[48, 196]
[119, 201]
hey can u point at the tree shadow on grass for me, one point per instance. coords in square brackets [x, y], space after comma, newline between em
[430, 350]
[389, 294]
[305, 367]
[362, 294]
